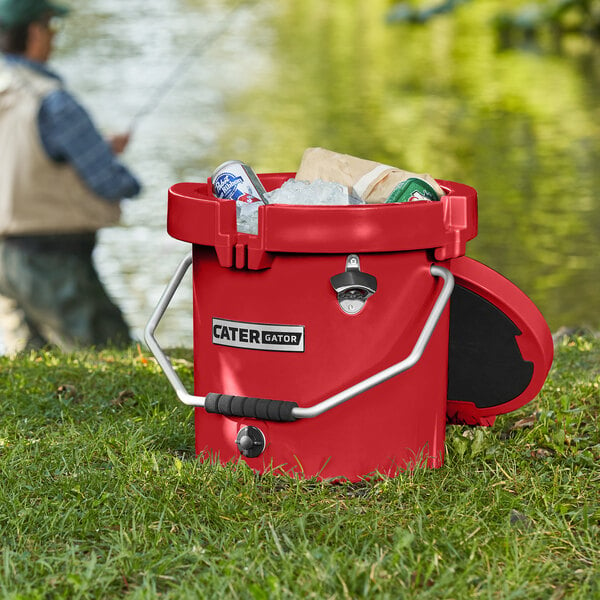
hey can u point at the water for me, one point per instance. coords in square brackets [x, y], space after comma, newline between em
[521, 126]
[115, 56]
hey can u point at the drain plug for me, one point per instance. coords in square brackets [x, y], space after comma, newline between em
[250, 441]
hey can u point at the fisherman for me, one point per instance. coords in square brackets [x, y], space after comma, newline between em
[60, 182]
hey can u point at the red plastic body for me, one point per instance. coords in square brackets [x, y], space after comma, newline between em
[282, 276]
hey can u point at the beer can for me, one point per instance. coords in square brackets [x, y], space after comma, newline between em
[235, 180]
[411, 190]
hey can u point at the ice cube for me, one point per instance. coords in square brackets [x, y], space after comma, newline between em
[293, 191]
[317, 192]
[247, 216]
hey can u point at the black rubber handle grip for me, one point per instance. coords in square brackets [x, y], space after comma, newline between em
[244, 406]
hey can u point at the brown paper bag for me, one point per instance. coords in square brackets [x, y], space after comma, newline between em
[371, 181]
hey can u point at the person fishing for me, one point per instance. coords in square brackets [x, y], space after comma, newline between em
[60, 182]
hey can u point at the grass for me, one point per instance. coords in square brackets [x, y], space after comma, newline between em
[101, 497]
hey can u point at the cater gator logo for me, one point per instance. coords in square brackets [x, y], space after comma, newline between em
[258, 336]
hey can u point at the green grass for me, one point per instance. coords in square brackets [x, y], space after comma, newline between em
[101, 497]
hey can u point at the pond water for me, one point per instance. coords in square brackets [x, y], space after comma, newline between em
[521, 125]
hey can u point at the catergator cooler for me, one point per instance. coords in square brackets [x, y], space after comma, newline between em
[328, 344]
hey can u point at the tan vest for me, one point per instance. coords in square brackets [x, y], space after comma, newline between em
[38, 195]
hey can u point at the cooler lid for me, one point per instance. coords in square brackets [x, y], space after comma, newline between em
[500, 347]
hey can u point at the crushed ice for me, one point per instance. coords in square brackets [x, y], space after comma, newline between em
[315, 192]
[318, 192]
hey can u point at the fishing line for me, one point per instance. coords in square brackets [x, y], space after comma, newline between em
[201, 46]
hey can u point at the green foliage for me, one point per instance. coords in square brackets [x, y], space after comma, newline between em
[101, 497]
[559, 17]
[523, 23]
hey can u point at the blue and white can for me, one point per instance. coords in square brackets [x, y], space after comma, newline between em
[235, 180]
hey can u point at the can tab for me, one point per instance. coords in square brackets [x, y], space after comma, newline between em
[353, 287]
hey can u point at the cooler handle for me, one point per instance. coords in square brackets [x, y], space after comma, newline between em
[284, 410]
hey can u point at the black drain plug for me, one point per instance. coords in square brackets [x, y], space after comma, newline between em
[250, 441]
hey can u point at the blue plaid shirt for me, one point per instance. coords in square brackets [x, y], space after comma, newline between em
[69, 135]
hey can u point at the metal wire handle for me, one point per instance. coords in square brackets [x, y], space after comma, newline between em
[281, 410]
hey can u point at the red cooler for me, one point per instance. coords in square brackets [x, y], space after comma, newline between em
[338, 341]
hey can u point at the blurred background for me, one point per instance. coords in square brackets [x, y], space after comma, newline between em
[499, 94]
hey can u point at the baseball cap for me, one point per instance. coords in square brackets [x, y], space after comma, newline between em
[20, 12]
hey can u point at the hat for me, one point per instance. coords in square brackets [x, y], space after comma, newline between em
[20, 12]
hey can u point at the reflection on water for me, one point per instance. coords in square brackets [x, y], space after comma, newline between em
[521, 127]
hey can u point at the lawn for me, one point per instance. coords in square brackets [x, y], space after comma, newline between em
[101, 497]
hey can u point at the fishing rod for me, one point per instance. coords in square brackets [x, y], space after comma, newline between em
[201, 46]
